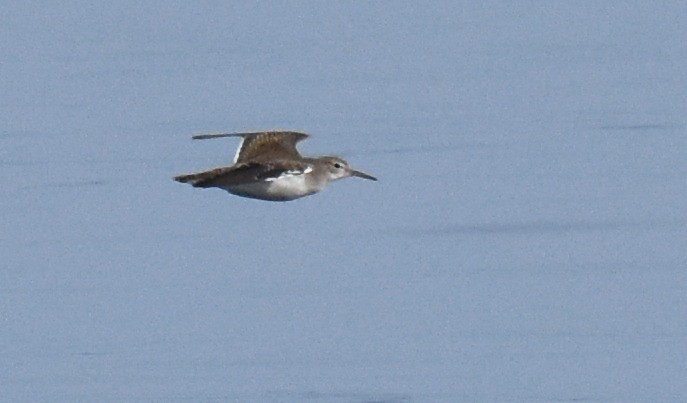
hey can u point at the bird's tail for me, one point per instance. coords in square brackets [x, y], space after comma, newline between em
[202, 179]
[195, 180]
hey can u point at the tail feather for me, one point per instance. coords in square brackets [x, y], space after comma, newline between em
[201, 179]
[188, 178]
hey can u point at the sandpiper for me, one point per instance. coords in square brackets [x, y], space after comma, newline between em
[267, 166]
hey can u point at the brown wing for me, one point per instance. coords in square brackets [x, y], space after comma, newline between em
[270, 146]
[242, 173]
[263, 146]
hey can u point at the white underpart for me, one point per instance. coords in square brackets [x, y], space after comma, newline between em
[287, 186]
[290, 186]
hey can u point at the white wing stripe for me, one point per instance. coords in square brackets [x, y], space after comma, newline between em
[290, 173]
[238, 150]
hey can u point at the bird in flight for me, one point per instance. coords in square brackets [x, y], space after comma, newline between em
[267, 166]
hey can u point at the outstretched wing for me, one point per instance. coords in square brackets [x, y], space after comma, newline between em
[244, 173]
[263, 146]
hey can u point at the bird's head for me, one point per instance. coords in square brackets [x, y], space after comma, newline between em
[338, 168]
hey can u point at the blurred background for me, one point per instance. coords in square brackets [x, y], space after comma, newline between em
[526, 240]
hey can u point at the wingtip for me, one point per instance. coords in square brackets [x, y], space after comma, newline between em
[213, 136]
[301, 134]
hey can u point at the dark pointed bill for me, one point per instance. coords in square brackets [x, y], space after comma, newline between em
[363, 175]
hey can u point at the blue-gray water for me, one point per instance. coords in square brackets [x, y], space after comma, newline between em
[526, 240]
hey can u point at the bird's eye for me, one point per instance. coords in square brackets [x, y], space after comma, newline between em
[337, 165]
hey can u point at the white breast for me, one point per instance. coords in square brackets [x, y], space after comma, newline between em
[287, 186]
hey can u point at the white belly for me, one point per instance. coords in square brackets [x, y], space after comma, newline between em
[281, 189]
